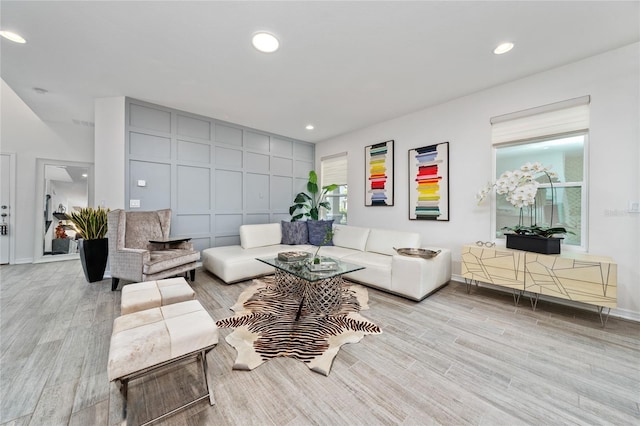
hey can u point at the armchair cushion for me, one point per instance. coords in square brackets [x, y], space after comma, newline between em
[168, 259]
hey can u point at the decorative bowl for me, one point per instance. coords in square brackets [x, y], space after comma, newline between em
[417, 252]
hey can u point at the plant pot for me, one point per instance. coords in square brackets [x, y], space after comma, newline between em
[93, 255]
[534, 243]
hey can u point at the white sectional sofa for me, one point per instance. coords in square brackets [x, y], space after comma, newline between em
[411, 277]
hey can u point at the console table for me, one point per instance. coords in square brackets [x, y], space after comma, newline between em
[578, 277]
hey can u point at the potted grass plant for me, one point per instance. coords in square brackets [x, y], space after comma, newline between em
[91, 226]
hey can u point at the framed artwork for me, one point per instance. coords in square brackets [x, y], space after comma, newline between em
[429, 182]
[378, 160]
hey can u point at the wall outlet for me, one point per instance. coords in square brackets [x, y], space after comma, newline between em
[134, 204]
[142, 182]
[634, 206]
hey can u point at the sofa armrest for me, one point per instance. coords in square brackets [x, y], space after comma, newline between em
[417, 277]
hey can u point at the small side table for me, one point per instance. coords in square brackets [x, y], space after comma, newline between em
[167, 242]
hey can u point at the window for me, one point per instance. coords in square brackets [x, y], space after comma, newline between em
[554, 135]
[566, 156]
[333, 169]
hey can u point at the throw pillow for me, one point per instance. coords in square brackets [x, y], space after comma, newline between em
[318, 230]
[294, 233]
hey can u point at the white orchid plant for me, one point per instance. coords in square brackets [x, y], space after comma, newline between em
[520, 188]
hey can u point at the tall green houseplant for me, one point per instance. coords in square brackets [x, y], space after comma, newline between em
[308, 204]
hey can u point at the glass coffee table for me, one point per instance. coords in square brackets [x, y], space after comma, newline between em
[319, 291]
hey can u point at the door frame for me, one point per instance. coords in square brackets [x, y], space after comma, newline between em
[12, 206]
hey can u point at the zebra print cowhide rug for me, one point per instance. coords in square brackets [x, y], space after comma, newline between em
[265, 327]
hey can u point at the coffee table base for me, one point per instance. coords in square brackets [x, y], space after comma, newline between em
[320, 297]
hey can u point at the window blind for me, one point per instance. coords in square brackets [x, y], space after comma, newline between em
[554, 119]
[333, 169]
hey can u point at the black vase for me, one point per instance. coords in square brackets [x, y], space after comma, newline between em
[93, 255]
[534, 243]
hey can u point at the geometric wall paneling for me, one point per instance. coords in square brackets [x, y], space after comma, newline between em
[281, 193]
[257, 198]
[231, 158]
[193, 127]
[228, 191]
[215, 175]
[257, 162]
[256, 141]
[300, 185]
[200, 244]
[257, 218]
[231, 240]
[281, 147]
[194, 152]
[281, 166]
[227, 224]
[142, 144]
[156, 194]
[191, 224]
[228, 135]
[304, 152]
[189, 178]
[278, 217]
[145, 117]
[301, 169]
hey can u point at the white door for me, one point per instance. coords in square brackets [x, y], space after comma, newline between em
[5, 207]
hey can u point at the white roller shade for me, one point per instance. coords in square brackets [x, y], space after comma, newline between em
[334, 169]
[555, 119]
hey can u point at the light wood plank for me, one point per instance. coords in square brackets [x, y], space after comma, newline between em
[454, 358]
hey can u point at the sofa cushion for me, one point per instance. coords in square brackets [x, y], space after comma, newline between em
[266, 234]
[352, 237]
[318, 230]
[294, 233]
[377, 272]
[383, 241]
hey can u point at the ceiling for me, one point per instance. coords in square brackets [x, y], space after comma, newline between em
[341, 65]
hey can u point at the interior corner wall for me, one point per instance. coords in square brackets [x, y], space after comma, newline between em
[28, 137]
[613, 81]
[109, 163]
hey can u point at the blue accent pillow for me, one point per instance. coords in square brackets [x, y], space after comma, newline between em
[294, 233]
[318, 230]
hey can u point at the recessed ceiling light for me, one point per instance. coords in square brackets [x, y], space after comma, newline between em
[265, 42]
[503, 48]
[309, 127]
[13, 37]
[84, 175]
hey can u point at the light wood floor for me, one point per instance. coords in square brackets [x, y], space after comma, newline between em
[454, 358]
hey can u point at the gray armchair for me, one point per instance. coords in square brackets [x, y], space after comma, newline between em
[133, 257]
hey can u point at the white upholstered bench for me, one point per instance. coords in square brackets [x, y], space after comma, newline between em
[153, 294]
[146, 341]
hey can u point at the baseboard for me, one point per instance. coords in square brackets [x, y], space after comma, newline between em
[23, 261]
[615, 312]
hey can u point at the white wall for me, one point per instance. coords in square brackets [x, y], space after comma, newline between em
[612, 80]
[109, 152]
[26, 135]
